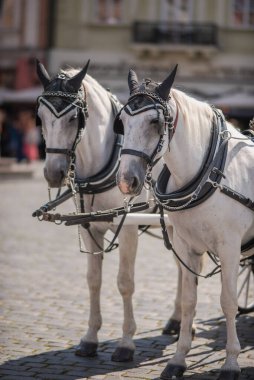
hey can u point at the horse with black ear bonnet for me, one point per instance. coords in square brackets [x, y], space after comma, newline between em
[87, 143]
[206, 188]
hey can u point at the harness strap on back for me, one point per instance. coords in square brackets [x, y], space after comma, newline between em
[202, 186]
[237, 196]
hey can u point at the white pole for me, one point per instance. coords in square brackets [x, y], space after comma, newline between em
[141, 219]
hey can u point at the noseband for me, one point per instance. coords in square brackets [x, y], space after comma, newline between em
[157, 103]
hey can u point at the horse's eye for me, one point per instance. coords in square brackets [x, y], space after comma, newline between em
[73, 117]
[154, 121]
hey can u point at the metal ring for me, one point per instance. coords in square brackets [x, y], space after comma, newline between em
[226, 135]
[40, 217]
[58, 222]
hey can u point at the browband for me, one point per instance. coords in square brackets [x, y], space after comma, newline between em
[133, 112]
[56, 113]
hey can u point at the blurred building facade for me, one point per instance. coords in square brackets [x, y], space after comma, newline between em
[211, 40]
[24, 34]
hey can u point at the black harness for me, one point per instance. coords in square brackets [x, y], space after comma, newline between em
[205, 182]
[202, 186]
[106, 178]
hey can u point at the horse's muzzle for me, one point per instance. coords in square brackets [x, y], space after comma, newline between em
[131, 176]
[129, 185]
[55, 177]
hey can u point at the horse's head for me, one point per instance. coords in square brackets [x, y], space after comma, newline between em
[61, 112]
[147, 123]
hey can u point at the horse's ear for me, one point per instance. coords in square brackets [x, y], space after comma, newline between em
[77, 79]
[42, 74]
[164, 88]
[132, 81]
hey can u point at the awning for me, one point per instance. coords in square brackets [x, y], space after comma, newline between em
[22, 96]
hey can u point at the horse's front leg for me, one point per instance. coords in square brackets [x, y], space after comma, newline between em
[177, 365]
[128, 240]
[172, 327]
[230, 265]
[89, 342]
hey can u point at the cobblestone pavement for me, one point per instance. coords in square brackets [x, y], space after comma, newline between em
[44, 303]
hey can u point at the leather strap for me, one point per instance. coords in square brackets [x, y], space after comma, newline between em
[68, 152]
[138, 153]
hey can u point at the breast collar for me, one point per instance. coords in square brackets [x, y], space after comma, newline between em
[201, 187]
[106, 178]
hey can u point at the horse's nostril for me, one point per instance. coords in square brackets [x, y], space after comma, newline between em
[62, 174]
[45, 173]
[135, 183]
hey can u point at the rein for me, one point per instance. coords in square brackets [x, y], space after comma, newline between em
[84, 219]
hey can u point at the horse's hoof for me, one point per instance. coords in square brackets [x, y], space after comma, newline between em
[229, 375]
[86, 349]
[172, 327]
[172, 371]
[122, 354]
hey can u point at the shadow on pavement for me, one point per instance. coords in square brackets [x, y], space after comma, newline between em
[64, 365]
[214, 331]
[246, 373]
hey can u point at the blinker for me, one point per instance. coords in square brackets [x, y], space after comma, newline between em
[131, 109]
[38, 121]
[118, 125]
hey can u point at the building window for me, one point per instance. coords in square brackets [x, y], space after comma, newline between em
[7, 14]
[109, 11]
[177, 10]
[243, 13]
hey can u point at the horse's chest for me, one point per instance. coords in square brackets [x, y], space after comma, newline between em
[201, 228]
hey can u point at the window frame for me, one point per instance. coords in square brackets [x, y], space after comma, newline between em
[246, 25]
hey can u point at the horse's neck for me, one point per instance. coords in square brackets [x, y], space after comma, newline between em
[190, 142]
[96, 145]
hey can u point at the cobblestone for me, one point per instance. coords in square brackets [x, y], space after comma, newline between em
[45, 303]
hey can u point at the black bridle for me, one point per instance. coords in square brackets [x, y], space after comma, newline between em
[169, 125]
[73, 100]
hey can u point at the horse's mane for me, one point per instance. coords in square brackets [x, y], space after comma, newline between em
[88, 79]
[190, 105]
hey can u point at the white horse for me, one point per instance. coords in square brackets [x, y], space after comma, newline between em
[207, 157]
[68, 130]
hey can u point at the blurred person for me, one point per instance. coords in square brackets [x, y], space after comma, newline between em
[31, 136]
[10, 137]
